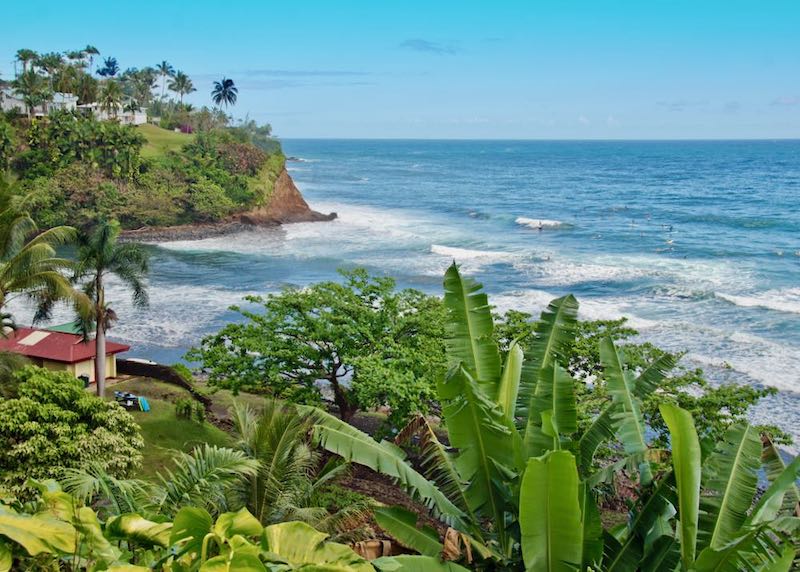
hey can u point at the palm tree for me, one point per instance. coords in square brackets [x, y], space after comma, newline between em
[100, 255]
[166, 70]
[111, 97]
[26, 56]
[110, 68]
[50, 64]
[181, 84]
[33, 89]
[29, 265]
[224, 92]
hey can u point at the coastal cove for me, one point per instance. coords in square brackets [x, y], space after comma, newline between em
[695, 242]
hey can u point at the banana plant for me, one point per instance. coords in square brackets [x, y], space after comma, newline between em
[513, 443]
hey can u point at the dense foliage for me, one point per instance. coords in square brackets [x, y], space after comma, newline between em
[53, 424]
[370, 344]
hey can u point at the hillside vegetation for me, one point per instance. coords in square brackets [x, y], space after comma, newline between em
[161, 141]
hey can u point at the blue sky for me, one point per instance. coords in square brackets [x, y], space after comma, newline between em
[438, 69]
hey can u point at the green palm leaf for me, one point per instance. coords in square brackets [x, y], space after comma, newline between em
[730, 478]
[550, 514]
[469, 330]
[686, 462]
[553, 411]
[386, 458]
[509, 381]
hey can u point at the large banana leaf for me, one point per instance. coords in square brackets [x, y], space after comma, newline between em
[409, 563]
[592, 528]
[550, 514]
[469, 330]
[189, 528]
[686, 462]
[553, 412]
[488, 445]
[139, 530]
[37, 534]
[554, 333]
[730, 477]
[756, 549]
[386, 458]
[626, 415]
[509, 381]
[782, 494]
[402, 525]
[300, 545]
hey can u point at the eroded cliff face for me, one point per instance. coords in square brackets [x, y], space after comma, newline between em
[285, 205]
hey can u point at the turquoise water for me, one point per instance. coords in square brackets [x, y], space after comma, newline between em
[698, 243]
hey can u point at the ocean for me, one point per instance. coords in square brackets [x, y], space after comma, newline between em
[696, 243]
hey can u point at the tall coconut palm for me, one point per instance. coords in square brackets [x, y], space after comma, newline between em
[90, 52]
[26, 57]
[224, 92]
[111, 97]
[33, 89]
[181, 84]
[165, 70]
[99, 256]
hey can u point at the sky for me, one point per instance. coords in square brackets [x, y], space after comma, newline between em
[555, 69]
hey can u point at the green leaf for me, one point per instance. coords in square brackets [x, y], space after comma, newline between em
[240, 522]
[6, 557]
[402, 525]
[509, 381]
[355, 446]
[592, 528]
[298, 544]
[730, 475]
[409, 563]
[686, 462]
[39, 533]
[626, 415]
[469, 329]
[550, 514]
[191, 525]
[235, 561]
[139, 530]
[487, 443]
[782, 494]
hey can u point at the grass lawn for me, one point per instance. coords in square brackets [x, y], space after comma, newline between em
[163, 432]
[160, 141]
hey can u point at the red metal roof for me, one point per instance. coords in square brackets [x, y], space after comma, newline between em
[54, 346]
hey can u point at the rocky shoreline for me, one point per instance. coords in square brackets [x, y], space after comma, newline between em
[286, 205]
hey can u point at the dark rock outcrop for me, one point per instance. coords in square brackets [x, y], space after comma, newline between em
[285, 205]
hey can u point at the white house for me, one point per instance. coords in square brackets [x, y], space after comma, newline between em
[10, 101]
[120, 114]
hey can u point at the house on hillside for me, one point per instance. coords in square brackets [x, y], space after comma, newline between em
[61, 350]
[121, 113]
[10, 101]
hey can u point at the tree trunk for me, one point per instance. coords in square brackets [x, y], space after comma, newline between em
[100, 361]
[346, 409]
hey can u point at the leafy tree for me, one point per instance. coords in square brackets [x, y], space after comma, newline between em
[181, 84]
[54, 424]
[371, 345]
[110, 68]
[100, 255]
[225, 92]
[8, 143]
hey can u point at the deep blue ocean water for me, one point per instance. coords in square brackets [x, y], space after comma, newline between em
[697, 243]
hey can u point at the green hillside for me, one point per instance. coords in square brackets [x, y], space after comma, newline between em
[161, 141]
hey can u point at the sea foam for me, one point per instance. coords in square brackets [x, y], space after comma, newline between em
[539, 223]
[787, 301]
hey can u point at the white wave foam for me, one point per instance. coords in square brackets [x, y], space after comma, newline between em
[461, 254]
[787, 301]
[560, 273]
[539, 223]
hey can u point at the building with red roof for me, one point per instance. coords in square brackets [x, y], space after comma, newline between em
[60, 351]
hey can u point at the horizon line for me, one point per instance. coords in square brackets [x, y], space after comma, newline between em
[553, 140]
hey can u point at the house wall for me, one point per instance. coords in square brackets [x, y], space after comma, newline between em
[83, 367]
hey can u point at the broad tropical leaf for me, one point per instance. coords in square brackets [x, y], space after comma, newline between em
[592, 528]
[138, 529]
[402, 525]
[686, 462]
[550, 514]
[240, 522]
[191, 525]
[730, 476]
[488, 444]
[509, 381]
[754, 550]
[553, 411]
[298, 544]
[782, 494]
[37, 534]
[469, 330]
[626, 415]
[409, 563]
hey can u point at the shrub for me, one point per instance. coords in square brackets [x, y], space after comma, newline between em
[55, 424]
[191, 410]
[208, 201]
